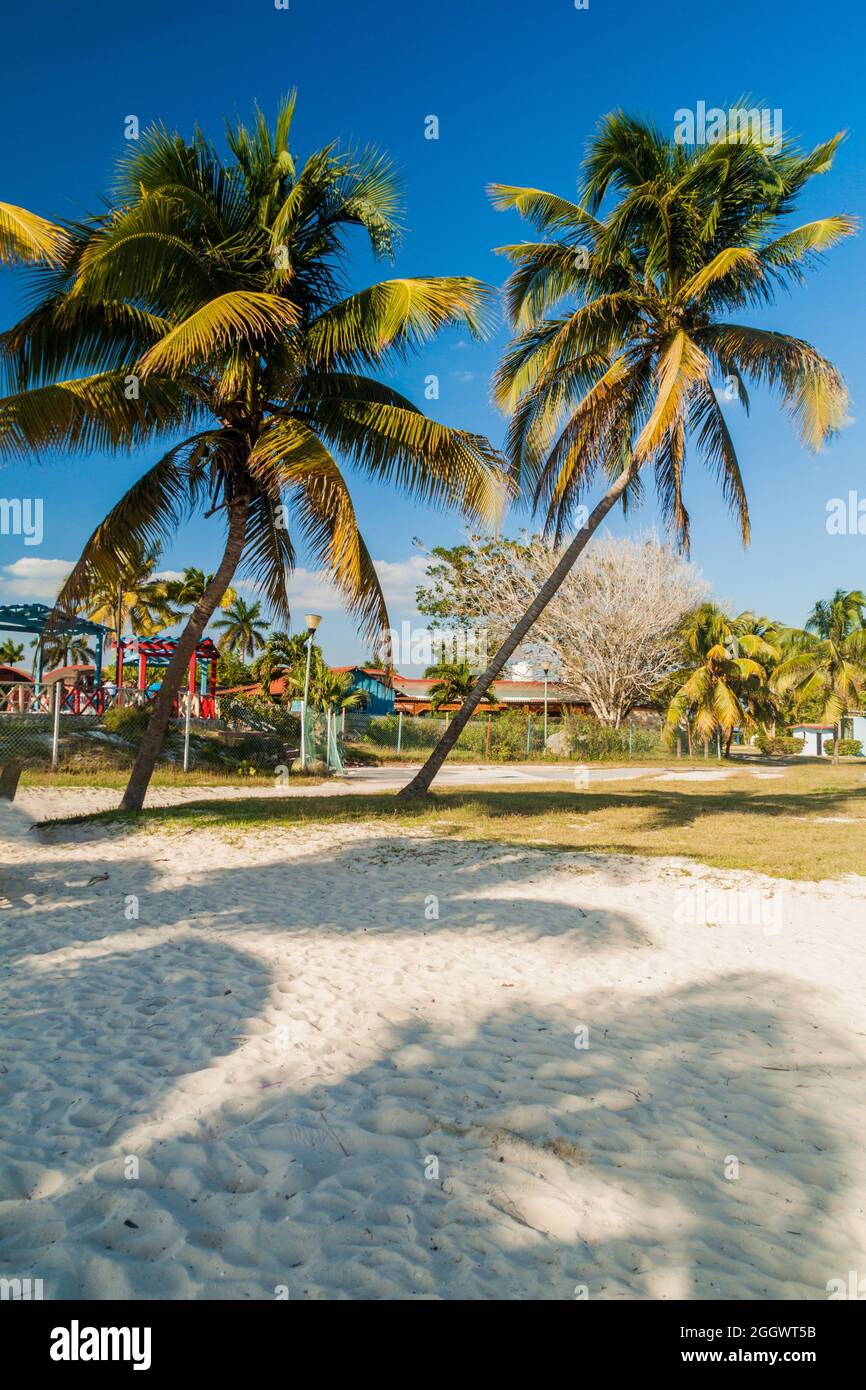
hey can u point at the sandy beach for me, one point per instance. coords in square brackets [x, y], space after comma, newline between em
[356, 1063]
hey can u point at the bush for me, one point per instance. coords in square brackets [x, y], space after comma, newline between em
[848, 748]
[126, 721]
[779, 745]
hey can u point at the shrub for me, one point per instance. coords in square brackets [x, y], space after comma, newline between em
[126, 721]
[779, 745]
[848, 748]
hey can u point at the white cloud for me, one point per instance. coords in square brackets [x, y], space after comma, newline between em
[311, 592]
[32, 580]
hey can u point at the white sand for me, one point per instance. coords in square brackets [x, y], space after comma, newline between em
[241, 1090]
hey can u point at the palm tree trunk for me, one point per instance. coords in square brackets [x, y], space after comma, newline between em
[420, 784]
[151, 743]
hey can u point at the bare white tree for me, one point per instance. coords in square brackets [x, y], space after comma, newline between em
[610, 629]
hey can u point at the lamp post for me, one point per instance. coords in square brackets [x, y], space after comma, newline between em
[545, 666]
[312, 621]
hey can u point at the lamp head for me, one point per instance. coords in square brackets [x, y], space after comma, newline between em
[312, 621]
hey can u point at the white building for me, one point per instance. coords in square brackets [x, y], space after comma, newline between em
[815, 738]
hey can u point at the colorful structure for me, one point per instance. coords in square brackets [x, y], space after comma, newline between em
[34, 617]
[158, 651]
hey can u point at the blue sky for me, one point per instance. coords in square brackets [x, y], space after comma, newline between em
[517, 89]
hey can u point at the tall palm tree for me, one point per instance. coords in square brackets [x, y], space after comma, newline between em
[241, 634]
[209, 303]
[825, 662]
[623, 327]
[126, 596]
[722, 682]
[63, 649]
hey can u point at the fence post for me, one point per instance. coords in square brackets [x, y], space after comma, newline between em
[528, 734]
[487, 740]
[629, 738]
[186, 732]
[718, 743]
[55, 737]
[399, 731]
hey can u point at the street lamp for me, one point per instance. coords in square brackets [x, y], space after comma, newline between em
[312, 621]
[545, 666]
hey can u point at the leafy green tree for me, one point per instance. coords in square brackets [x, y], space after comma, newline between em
[333, 690]
[628, 341]
[208, 303]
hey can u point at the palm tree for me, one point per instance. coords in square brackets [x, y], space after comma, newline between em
[209, 302]
[333, 690]
[240, 633]
[285, 655]
[622, 326]
[453, 682]
[11, 652]
[63, 649]
[126, 596]
[825, 662]
[190, 589]
[722, 683]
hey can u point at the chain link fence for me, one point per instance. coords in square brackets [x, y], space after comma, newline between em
[506, 736]
[65, 729]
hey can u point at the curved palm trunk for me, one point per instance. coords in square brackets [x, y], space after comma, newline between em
[151, 743]
[420, 783]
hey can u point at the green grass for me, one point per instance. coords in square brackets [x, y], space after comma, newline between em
[164, 776]
[810, 824]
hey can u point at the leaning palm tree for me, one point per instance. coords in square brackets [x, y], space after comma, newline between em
[722, 682]
[208, 306]
[625, 347]
[825, 662]
[241, 633]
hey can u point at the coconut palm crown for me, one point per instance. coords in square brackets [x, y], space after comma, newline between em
[626, 346]
[208, 307]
